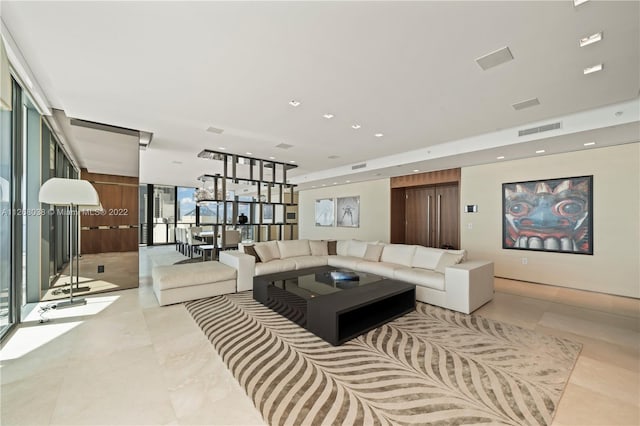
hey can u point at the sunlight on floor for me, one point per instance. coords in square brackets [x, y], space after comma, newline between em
[34, 334]
[27, 339]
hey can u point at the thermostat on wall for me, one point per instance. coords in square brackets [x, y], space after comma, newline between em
[471, 208]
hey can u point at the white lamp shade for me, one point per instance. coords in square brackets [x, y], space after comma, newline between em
[64, 192]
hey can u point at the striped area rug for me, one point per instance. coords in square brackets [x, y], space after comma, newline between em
[431, 366]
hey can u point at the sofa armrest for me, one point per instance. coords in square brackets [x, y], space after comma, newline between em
[245, 264]
[469, 285]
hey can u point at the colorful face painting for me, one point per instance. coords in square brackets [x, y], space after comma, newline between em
[549, 215]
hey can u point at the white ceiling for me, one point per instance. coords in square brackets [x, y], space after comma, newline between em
[405, 69]
[101, 151]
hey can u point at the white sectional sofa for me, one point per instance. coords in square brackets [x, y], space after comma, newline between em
[442, 277]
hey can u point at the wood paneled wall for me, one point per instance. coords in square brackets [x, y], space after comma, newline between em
[428, 178]
[117, 229]
[397, 235]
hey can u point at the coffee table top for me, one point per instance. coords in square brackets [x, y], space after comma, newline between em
[320, 282]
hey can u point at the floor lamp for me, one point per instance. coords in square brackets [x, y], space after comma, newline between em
[71, 193]
[82, 209]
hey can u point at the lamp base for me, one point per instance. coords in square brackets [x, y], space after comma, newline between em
[71, 303]
[76, 289]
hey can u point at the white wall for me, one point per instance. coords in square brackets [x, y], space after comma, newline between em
[615, 265]
[375, 199]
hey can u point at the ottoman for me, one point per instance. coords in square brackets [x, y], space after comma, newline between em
[190, 281]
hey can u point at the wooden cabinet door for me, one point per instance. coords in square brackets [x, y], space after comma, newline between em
[447, 216]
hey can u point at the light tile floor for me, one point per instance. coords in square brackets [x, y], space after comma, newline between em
[123, 360]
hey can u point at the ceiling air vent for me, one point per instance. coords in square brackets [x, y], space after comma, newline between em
[215, 130]
[495, 58]
[359, 166]
[545, 128]
[526, 104]
[284, 146]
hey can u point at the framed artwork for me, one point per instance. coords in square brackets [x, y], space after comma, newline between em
[348, 212]
[554, 215]
[324, 212]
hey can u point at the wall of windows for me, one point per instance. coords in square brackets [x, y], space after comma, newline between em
[167, 208]
[7, 314]
[33, 238]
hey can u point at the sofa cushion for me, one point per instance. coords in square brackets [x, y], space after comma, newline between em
[462, 252]
[319, 248]
[274, 266]
[426, 257]
[348, 262]
[267, 250]
[373, 252]
[421, 277]
[303, 262]
[447, 259]
[356, 248]
[332, 247]
[384, 269]
[341, 247]
[401, 254]
[293, 248]
[250, 249]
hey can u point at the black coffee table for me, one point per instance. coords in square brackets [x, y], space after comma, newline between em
[335, 311]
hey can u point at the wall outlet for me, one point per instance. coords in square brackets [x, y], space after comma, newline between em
[100, 269]
[525, 260]
[469, 225]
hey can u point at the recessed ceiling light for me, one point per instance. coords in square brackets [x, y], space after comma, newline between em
[313, 186]
[577, 3]
[592, 69]
[379, 135]
[415, 170]
[593, 38]
[335, 183]
[294, 103]
[292, 161]
[355, 126]
[249, 153]
[347, 181]
[324, 184]
[589, 143]
[272, 158]
[328, 116]
[222, 148]
[540, 151]
[500, 157]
